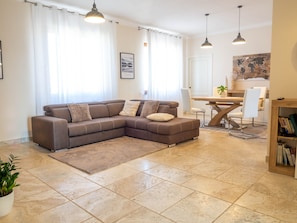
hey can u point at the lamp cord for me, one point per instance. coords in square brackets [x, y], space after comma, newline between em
[239, 7]
[206, 15]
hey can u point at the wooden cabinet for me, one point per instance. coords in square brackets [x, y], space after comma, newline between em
[279, 108]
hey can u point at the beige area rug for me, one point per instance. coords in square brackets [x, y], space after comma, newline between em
[100, 156]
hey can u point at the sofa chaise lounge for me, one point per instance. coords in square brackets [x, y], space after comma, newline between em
[56, 129]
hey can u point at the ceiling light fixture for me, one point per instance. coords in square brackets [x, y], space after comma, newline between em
[206, 44]
[94, 16]
[238, 40]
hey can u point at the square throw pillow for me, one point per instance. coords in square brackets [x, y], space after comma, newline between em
[160, 117]
[130, 108]
[149, 107]
[79, 112]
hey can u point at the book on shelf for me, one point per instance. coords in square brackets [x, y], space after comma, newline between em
[286, 155]
[293, 154]
[279, 156]
[289, 156]
[293, 118]
[286, 126]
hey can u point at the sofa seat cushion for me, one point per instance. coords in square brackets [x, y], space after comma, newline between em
[137, 122]
[174, 126]
[95, 125]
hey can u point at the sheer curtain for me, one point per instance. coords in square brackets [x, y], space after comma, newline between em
[165, 66]
[74, 61]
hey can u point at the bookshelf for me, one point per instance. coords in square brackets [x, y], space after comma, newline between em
[279, 108]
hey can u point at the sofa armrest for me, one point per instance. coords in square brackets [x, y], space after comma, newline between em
[50, 132]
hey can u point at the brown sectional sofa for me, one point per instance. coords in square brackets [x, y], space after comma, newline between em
[55, 130]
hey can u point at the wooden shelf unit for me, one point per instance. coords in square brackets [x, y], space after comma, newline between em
[276, 106]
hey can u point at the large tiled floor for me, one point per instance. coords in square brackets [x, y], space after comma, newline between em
[217, 178]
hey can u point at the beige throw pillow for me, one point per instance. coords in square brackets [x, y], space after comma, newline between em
[160, 117]
[79, 112]
[149, 107]
[130, 108]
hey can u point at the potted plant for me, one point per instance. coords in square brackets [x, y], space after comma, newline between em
[222, 90]
[8, 176]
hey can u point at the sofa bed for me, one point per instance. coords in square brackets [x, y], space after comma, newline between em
[70, 125]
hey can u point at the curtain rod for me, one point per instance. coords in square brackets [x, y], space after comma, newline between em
[50, 6]
[155, 30]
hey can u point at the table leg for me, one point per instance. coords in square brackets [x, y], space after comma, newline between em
[222, 113]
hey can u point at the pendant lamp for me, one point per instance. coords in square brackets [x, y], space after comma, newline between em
[94, 16]
[206, 44]
[238, 40]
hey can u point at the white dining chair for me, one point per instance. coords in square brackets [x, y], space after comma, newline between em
[261, 104]
[249, 109]
[187, 105]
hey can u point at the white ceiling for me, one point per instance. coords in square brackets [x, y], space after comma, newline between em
[186, 17]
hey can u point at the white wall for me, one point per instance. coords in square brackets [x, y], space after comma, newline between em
[17, 99]
[284, 50]
[130, 40]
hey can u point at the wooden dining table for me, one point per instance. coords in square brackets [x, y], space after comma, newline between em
[223, 105]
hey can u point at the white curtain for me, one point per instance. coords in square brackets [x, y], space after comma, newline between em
[74, 61]
[165, 66]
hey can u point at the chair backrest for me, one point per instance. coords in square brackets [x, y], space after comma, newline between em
[186, 99]
[250, 103]
[262, 98]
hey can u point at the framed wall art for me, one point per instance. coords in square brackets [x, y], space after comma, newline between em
[127, 65]
[251, 66]
[1, 63]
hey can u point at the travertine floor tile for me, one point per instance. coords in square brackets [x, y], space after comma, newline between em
[195, 208]
[276, 207]
[107, 206]
[112, 175]
[162, 196]
[210, 168]
[225, 191]
[183, 162]
[29, 185]
[237, 214]
[141, 164]
[171, 174]
[50, 172]
[241, 176]
[135, 184]
[36, 160]
[92, 220]
[143, 215]
[67, 213]
[73, 186]
[37, 203]
[277, 185]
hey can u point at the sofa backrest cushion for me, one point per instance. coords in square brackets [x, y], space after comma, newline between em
[60, 113]
[99, 111]
[115, 108]
[164, 107]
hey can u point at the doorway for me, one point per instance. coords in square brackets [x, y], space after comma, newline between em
[200, 75]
